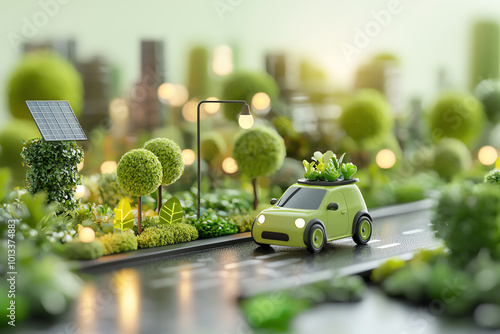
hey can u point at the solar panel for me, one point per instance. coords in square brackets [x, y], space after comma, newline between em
[56, 120]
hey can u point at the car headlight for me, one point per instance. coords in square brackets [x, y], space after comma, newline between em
[300, 223]
[261, 219]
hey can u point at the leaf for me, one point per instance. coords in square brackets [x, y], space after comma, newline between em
[318, 156]
[124, 218]
[327, 156]
[171, 212]
[348, 170]
[342, 158]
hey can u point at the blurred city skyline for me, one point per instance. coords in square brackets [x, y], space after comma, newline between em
[429, 38]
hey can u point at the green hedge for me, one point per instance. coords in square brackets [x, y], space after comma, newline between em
[118, 243]
[77, 250]
[161, 235]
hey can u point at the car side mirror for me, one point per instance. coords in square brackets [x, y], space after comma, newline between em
[333, 206]
[273, 201]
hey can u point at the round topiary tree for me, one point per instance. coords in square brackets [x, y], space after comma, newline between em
[456, 115]
[243, 86]
[43, 75]
[258, 152]
[139, 174]
[451, 157]
[212, 148]
[170, 156]
[367, 116]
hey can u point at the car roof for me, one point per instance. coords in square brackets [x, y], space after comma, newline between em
[305, 182]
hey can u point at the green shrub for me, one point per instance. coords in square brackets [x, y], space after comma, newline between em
[146, 223]
[110, 191]
[244, 222]
[43, 76]
[493, 177]
[211, 225]
[456, 115]
[467, 218]
[170, 156]
[161, 235]
[488, 92]
[139, 172]
[11, 145]
[53, 168]
[225, 202]
[212, 147]
[118, 243]
[77, 250]
[243, 86]
[367, 116]
[450, 158]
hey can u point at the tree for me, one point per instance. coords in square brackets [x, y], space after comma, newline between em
[258, 152]
[213, 147]
[170, 156]
[451, 157]
[139, 174]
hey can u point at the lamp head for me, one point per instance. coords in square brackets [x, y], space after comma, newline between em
[245, 120]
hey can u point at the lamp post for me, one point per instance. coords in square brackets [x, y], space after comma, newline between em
[245, 120]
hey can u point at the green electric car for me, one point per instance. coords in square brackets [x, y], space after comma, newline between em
[312, 213]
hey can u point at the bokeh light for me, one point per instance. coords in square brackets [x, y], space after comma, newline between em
[223, 60]
[166, 92]
[211, 108]
[190, 110]
[245, 121]
[119, 110]
[188, 156]
[385, 159]
[86, 235]
[261, 101]
[229, 166]
[487, 155]
[108, 167]
[179, 97]
[80, 166]
[80, 191]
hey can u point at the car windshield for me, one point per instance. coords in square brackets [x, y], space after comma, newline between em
[302, 198]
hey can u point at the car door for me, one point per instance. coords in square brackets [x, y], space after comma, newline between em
[338, 220]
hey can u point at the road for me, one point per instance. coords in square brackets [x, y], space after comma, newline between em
[197, 293]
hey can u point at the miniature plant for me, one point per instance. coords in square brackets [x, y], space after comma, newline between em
[493, 177]
[259, 151]
[53, 168]
[49, 77]
[210, 225]
[328, 167]
[451, 157]
[161, 235]
[348, 170]
[114, 243]
[244, 222]
[124, 218]
[77, 250]
[171, 212]
[109, 189]
[139, 174]
[170, 156]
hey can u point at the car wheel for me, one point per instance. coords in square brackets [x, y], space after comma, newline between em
[316, 238]
[262, 245]
[363, 231]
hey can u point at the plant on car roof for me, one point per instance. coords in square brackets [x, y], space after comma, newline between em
[328, 167]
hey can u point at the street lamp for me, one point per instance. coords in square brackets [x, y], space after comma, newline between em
[245, 120]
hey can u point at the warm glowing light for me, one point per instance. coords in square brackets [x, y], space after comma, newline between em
[108, 167]
[80, 191]
[385, 159]
[229, 166]
[188, 156]
[211, 108]
[118, 110]
[223, 60]
[261, 101]
[190, 110]
[87, 304]
[181, 95]
[166, 92]
[127, 285]
[487, 155]
[80, 166]
[86, 235]
[245, 121]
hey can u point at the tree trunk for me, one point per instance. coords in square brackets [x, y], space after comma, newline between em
[255, 196]
[158, 206]
[139, 216]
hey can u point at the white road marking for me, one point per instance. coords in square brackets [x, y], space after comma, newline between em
[240, 264]
[269, 272]
[268, 256]
[418, 230]
[277, 264]
[388, 246]
[373, 241]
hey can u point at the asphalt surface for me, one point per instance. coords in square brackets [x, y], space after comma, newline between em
[197, 292]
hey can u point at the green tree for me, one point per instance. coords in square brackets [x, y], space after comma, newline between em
[213, 147]
[170, 156]
[258, 152]
[43, 75]
[451, 157]
[139, 174]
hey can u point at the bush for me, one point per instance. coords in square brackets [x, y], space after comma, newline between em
[77, 250]
[118, 243]
[43, 76]
[367, 116]
[456, 115]
[139, 172]
[161, 235]
[244, 222]
[493, 177]
[53, 168]
[467, 218]
[170, 156]
[212, 146]
[110, 191]
[243, 86]
[450, 158]
[211, 225]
